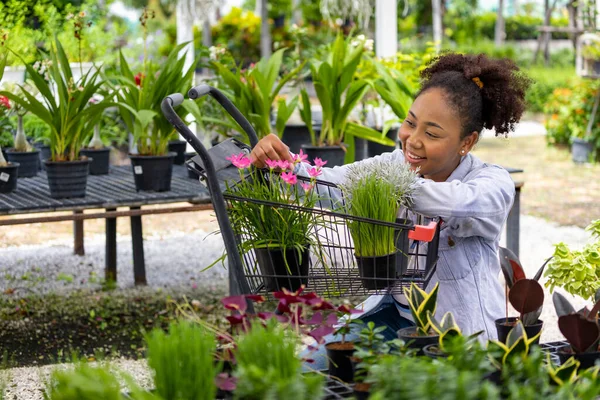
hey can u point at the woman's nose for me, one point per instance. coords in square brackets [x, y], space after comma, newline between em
[413, 141]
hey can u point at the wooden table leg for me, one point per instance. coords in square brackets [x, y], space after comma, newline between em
[137, 241]
[513, 223]
[78, 247]
[110, 257]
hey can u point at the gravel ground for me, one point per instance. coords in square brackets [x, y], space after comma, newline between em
[177, 259]
[173, 260]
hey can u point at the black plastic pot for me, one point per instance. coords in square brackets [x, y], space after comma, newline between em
[334, 155]
[8, 177]
[408, 335]
[67, 178]
[294, 136]
[152, 173]
[100, 160]
[340, 365]
[272, 264]
[360, 149]
[279, 21]
[375, 149]
[504, 325]
[178, 147]
[45, 154]
[581, 150]
[29, 162]
[433, 351]
[587, 360]
[377, 272]
[360, 394]
[190, 173]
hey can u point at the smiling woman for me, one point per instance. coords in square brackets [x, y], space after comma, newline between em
[460, 95]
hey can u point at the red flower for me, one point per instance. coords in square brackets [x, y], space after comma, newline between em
[5, 102]
[138, 78]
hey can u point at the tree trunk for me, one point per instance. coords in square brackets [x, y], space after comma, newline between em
[500, 31]
[265, 30]
[437, 23]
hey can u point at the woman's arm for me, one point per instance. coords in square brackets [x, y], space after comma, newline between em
[476, 207]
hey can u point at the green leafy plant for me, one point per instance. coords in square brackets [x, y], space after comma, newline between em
[139, 97]
[65, 105]
[376, 190]
[84, 382]
[268, 368]
[255, 91]
[421, 304]
[576, 271]
[370, 346]
[517, 345]
[183, 361]
[395, 90]
[339, 92]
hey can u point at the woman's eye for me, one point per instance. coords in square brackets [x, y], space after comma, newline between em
[410, 123]
[431, 135]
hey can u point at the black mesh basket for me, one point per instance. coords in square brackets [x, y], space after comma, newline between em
[333, 261]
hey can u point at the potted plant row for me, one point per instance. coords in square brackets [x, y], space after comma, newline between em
[71, 115]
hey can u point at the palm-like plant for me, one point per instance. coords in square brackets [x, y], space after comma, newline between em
[139, 97]
[65, 104]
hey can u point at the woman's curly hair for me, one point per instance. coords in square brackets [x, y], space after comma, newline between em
[486, 92]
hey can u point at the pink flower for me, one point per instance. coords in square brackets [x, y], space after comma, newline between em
[300, 157]
[289, 178]
[272, 164]
[319, 163]
[314, 172]
[283, 164]
[306, 186]
[240, 160]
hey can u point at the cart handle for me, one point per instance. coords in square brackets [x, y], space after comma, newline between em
[202, 90]
[237, 283]
[423, 233]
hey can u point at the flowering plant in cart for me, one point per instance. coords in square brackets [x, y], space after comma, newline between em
[270, 208]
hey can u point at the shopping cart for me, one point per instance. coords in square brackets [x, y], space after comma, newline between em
[328, 264]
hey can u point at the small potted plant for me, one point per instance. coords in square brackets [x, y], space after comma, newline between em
[525, 295]
[139, 97]
[338, 92]
[98, 153]
[268, 367]
[376, 191]
[450, 337]
[22, 152]
[421, 304]
[6, 127]
[576, 270]
[340, 353]
[278, 234]
[370, 346]
[9, 172]
[580, 328]
[182, 361]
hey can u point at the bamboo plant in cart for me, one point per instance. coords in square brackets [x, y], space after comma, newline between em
[66, 108]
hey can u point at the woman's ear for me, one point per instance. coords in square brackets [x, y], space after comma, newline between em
[468, 142]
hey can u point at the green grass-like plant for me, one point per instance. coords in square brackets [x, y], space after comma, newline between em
[376, 190]
[268, 367]
[84, 382]
[183, 362]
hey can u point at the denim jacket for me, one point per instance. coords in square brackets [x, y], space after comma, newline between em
[474, 203]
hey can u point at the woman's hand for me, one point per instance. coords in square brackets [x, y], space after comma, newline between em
[269, 148]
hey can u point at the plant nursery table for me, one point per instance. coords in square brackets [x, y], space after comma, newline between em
[107, 192]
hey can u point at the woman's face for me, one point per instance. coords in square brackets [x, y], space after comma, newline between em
[430, 136]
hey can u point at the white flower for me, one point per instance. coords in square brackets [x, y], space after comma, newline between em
[361, 37]
[369, 45]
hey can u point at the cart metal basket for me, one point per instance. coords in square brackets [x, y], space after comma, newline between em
[328, 264]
